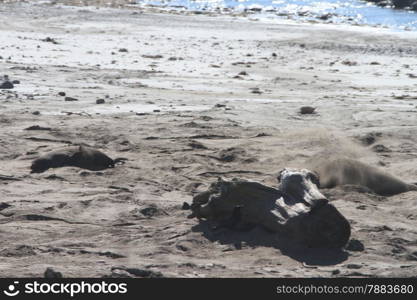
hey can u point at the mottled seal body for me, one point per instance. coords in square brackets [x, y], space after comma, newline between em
[296, 209]
[78, 156]
[349, 171]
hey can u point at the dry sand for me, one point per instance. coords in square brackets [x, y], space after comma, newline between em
[178, 110]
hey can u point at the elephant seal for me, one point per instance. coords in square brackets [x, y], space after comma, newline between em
[348, 171]
[295, 209]
[77, 156]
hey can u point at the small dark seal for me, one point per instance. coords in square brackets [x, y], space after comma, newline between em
[77, 156]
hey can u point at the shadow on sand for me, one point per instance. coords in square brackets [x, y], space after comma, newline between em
[257, 236]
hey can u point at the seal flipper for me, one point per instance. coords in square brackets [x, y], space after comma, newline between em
[412, 186]
[39, 165]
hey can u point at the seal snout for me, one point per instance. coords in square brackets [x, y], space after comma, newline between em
[302, 185]
[39, 166]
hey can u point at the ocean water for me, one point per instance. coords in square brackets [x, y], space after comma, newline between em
[337, 11]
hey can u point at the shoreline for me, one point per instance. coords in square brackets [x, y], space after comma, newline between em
[247, 14]
[194, 100]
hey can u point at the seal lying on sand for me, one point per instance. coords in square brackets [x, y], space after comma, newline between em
[348, 171]
[295, 209]
[78, 156]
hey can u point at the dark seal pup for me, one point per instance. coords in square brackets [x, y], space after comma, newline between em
[348, 171]
[77, 156]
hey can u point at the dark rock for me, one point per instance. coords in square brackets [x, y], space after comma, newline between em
[185, 206]
[100, 101]
[70, 99]
[123, 50]
[306, 110]
[36, 113]
[325, 17]
[61, 94]
[151, 211]
[355, 245]
[6, 85]
[16, 82]
[51, 273]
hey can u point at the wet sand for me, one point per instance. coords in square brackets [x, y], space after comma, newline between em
[188, 99]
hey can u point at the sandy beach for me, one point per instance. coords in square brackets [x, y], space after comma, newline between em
[187, 99]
